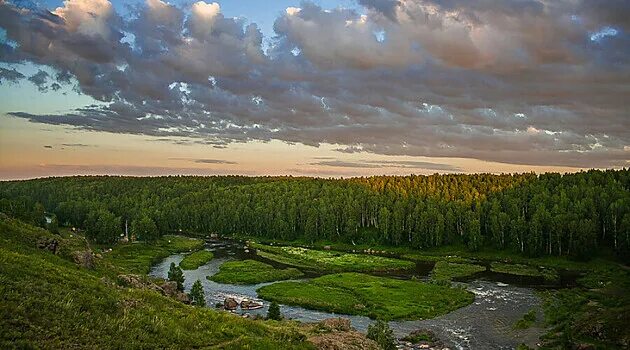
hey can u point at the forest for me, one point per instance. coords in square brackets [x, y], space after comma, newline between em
[572, 215]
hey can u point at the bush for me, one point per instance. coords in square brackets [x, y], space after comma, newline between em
[382, 334]
[274, 312]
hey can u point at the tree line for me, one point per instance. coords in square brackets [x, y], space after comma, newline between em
[548, 214]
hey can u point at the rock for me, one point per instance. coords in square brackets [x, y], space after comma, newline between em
[214, 235]
[84, 258]
[182, 297]
[49, 244]
[250, 305]
[327, 247]
[230, 304]
[170, 288]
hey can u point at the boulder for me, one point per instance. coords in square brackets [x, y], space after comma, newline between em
[170, 288]
[182, 297]
[327, 247]
[250, 305]
[230, 303]
[84, 258]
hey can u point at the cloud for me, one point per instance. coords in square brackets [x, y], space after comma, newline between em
[75, 145]
[378, 164]
[10, 75]
[206, 161]
[517, 81]
[40, 79]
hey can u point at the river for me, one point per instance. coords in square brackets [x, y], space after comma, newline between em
[485, 324]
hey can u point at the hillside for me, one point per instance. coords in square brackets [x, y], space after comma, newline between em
[48, 301]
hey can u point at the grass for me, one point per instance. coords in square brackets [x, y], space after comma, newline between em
[330, 261]
[524, 270]
[252, 272]
[139, 256]
[48, 302]
[446, 271]
[526, 321]
[375, 297]
[597, 312]
[192, 261]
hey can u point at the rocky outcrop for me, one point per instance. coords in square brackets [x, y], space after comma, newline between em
[337, 334]
[335, 325]
[352, 340]
[49, 244]
[168, 289]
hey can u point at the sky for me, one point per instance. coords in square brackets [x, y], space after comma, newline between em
[313, 88]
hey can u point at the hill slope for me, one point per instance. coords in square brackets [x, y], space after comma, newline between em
[48, 301]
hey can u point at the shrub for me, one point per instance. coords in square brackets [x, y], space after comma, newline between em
[196, 294]
[274, 312]
[382, 334]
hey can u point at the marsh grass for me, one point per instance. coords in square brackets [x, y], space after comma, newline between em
[252, 272]
[194, 260]
[375, 297]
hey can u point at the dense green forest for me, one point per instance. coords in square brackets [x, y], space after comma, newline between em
[550, 214]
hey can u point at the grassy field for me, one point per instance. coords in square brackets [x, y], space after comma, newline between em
[330, 261]
[48, 302]
[446, 271]
[139, 256]
[193, 260]
[376, 297]
[252, 272]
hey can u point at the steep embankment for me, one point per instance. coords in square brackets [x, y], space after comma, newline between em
[48, 301]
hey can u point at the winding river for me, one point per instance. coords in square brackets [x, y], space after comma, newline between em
[485, 324]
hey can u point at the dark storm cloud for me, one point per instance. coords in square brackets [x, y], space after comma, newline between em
[518, 81]
[10, 75]
[40, 79]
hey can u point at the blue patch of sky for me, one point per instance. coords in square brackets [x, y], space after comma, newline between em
[379, 35]
[604, 32]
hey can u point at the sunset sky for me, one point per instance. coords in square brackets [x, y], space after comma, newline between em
[318, 88]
